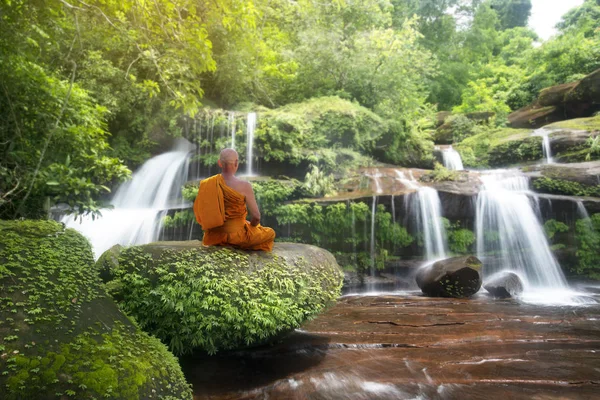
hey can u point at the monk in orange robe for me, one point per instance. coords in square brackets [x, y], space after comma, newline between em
[220, 207]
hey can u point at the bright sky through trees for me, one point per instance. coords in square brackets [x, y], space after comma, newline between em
[545, 14]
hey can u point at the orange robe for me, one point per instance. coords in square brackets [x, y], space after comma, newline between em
[222, 213]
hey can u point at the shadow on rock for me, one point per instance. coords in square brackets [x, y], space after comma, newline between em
[241, 371]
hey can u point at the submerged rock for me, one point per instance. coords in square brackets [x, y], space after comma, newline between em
[452, 277]
[61, 336]
[504, 285]
[217, 298]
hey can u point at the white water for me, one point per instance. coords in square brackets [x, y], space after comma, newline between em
[451, 159]
[544, 133]
[425, 203]
[231, 123]
[373, 211]
[507, 227]
[250, 127]
[375, 176]
[139, 204]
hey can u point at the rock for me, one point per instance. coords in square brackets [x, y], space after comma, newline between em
[202, 298]
[504, 285]
[557, 103]
[584, 99]
[62, 336]
[555, 95]
[535, 116]
[453, 277]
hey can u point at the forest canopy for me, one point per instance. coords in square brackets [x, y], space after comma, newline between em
[89, 88]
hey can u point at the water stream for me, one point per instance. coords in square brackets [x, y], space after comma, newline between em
[508, 229]
[139, 204]
[451, 159]
[250, 127]
[545, 134]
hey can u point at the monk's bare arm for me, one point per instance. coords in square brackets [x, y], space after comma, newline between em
[252, 206]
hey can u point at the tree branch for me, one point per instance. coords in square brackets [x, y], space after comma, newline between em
[48, 139]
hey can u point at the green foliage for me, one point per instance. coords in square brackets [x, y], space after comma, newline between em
[342, 228]
[560, 186]
[512, 13]
[552, 227]
[317, 184]
[588, 246]
[272, 193]
[440, 174]
[179, 219]
[213, 299]
[461, 127]
[64, 335]
[499, 147]
[460, 240]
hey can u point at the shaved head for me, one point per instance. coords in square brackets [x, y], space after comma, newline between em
[228, 155]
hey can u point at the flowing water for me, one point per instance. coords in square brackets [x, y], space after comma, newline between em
[424, 204]
[250, 127]
[231, 124]
[508, 228]
[139, 204]
[451, 159]
[545, 134]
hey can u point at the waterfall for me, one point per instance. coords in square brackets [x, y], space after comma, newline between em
[250, 127]
[425, 204]
[139, 204]
[373, 211]
[375, 176]
[452, 160]
[507, 226]
[231, 123]
[545, 134]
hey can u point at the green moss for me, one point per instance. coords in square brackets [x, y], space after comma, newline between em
[440, 174]
[60, 334]
[503, 146]
[588, 246]
[565, 187]
[583, 124]
[213, 299]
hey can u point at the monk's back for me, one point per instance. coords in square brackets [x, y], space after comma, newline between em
[236, 184]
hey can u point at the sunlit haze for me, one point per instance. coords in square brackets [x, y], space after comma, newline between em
[545, 14]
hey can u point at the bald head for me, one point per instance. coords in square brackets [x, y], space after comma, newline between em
[228, 161]
[228, 155]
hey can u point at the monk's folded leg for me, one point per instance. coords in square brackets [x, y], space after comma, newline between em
[258, 238]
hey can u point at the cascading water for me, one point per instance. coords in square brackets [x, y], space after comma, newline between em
[451, 159]
[250, 127]
[507, 227]
[545, 134]
[425, 204]
[372, 249]
[139, 204]
[231, 123]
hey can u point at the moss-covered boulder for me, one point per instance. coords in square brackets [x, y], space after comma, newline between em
[500, 147]
[61, 336]
[216, 298]
[452, 277]
[577, 179]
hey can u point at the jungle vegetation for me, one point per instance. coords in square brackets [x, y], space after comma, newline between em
[90, 89]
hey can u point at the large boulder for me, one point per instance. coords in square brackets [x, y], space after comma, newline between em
[452, 277]
[557, 103]
[504, 285]
[577, 179]
[61, 335]
[208, 299]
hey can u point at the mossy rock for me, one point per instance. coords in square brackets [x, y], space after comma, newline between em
[208, 299]
[452, 277]
[61, 335]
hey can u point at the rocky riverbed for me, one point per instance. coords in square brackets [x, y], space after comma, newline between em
[407, 346]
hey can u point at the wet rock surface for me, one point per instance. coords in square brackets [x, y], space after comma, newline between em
[409, 346]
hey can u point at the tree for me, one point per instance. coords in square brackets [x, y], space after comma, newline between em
[512, 13]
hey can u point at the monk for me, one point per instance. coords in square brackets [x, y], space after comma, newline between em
[220, 207]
